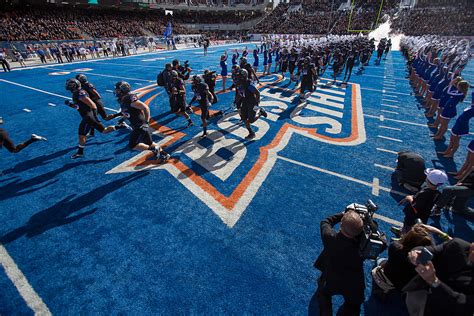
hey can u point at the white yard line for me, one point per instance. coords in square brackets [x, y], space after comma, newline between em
[29, 295]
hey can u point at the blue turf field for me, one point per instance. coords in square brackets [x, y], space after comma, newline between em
[227, 226]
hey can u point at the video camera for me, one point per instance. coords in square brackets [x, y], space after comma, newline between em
[210, 76]
[372, 242]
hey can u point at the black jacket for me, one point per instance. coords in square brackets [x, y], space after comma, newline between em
[340, 261]
[455, 294]
[412, 168]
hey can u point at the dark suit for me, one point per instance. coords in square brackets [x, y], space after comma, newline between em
[342, 270]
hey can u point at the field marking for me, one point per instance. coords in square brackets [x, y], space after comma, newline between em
[34, 89]
[388, 220]
[378, 90]
[345, 177]
[384, 167]
[19, 280]
[387, 111]
[390, 100]
[132, 65]
[121, 57]
[387, 151]
[390, 138]
[391, 106]
[394, 120]
[110, 109]
[90, 73]
[46, 92]
[392, 128]
[375, 187]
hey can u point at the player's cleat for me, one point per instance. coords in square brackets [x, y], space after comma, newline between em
[263, 112]
[122, 125]
[77, 155]
[37, 137]
[250, 136]
[189, 110]
[190, 123]
[164, 157]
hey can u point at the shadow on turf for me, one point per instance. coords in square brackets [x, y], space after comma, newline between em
[44, 159]
[20, 187]
[62, 212]
[37, 161]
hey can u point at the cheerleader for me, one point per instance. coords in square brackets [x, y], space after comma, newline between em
[270, 60]
[235, 56]
[468, 164]
[255, 59]
[277, 60]
[245, 52]
[449, 110]
[460, 128]
[265, 60]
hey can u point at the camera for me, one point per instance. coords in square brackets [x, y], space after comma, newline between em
[372, 242]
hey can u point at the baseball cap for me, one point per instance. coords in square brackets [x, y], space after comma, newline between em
[435, 176]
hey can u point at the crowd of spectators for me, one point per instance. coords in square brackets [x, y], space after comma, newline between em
[211, 3]
[44, 23]
[208, 17]
[320, 17]
[295, 17]
[440, 21]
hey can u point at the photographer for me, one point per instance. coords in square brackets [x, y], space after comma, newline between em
[341, 264]
[183, 71]
[445, 283]
[420, 204]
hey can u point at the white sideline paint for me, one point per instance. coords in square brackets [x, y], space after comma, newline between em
[387, 151]
[384, 167]
[34, 89]
[18, 279]
[118, 57]
[390, 138]
[131, 65]
[392, 128]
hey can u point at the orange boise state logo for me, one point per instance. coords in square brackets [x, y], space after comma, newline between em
[224, 170]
